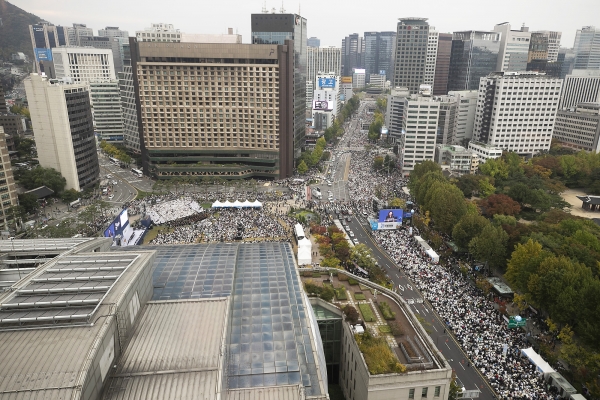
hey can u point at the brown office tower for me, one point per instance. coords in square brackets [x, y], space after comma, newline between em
[442, 64]
[215, 110]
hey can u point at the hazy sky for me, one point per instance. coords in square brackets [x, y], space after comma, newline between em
[330, 21]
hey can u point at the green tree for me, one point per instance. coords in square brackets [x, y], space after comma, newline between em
[494, 168]
[69, 195]
[420, 190]
[40, 176]
[420, 170]
[499, 204]
[524, 262]
[490, 245]
[468, 227]
[397, 203]
[485, 187]
[377, 163]
[29, 202]
[302, 168]
[446, 204]
[330, 262]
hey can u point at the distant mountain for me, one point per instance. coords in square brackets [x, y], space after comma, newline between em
[14, 30]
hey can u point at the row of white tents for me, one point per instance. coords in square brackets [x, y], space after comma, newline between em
[237, 204]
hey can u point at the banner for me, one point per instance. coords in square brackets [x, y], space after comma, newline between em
[390, 219]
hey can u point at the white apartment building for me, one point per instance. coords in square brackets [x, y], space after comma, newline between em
[358, 78]
[516, 111]
[159, 33]
[430, 61]
[579, 128]
[484, 151]
[76, 32]
[514, 48]
[378, 81]
[321, 60]
[581, 86]
[83, 64]
[107, 111]
[61, 115]
[456, 159]
[420, 123]
[464, 122]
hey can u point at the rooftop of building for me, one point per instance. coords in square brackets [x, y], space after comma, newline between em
[385, 316]
[484, 145]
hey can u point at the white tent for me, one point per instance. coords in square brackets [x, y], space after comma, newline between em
[227, 204]
[541, 365]
[246, 204]
[217, 204]
[257, 204]
[434, 256]
[304, 252]
[237, 204]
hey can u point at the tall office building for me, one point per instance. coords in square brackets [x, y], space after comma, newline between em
[442, 64]
[76, 32]
[379, 53]
[326, 100]
[466, 107]
[8, 189]
[553, 40]
[131, 133]
[320, 60]
[566, 59]
[538, 47]
[159, 33]
[581, 86]
[276, 29]
[61, 115]
[215, 110]
[410, 57]
[313, 42]
[394, 115]
[13, 124]
[579, 128]
[430, 61]
[107, 111]
[83, 64]
[514, 48]
[587, 48]
[352, 53]
[113, 31]
[474, 55]
[44, 37]
[517, 110]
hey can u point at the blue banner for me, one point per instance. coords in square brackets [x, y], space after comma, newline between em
[43, 54]
[327, 83]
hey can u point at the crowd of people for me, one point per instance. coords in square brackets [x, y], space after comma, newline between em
[172, 210]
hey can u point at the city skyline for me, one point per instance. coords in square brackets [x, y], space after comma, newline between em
[444, 16]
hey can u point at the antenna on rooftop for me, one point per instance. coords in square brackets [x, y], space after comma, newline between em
[282, 10]
[299, 9]
[264, 7]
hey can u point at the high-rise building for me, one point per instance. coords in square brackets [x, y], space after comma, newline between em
[326, 100]
[464, 122]
[77, 31]
[313, 42]
[587, 48]
[8, 189]
[107, 111]
[442, 64]
[113, 31]
[83, 64]
[159, 33]
[446, 120]
[321, 60]
[44, 37]
[379, 53]
[579, 128]
[212, 124]
[566, 59]
[410, 57]
[13, 124]
[514, 48]
[430, 63]
[474, 55]
[516, 111]
[97, 42]
[352, 53]
[131, 133]
[553, 39]
[394, 115]
[581, 86]
[538, 47]
[276, 29]
[61, 115]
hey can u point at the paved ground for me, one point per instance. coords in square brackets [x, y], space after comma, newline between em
[569, 196]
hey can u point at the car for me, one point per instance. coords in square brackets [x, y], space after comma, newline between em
[410, 301]
[109, 176]
[351, 234]
[331, 200]
[329, 184]
[355, 241]
[111, 197]
[348, 219]
[114, 182]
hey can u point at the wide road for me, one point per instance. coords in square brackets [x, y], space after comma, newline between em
[445, 342]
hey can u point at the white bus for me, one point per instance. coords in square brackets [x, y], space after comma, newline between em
[114, 160]
[137, 172]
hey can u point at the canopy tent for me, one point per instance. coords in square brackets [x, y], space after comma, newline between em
[541, 365]
[237, 204]
[227, 204]
[257, 204]
[246, 204]
[217, 204]
[434, 256]
[304, 252]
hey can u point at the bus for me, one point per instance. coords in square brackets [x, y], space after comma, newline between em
[298, 232]
[137, 172]
[114, 160]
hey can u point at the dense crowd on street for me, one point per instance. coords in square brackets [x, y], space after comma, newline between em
[176, 209]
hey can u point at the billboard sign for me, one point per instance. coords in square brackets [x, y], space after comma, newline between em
[382, 72]
[327, 83]
[43, 54]
[320, 105]
[360, 71]
[346, 79]
[390, 219]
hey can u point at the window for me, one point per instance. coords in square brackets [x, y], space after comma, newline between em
[436, 393]
[424, 392]
[411, 393]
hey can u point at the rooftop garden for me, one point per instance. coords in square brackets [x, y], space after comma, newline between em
[378, 355]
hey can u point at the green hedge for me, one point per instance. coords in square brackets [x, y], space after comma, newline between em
[352, 281]
[340, 293]
[359, 296]
[385, 329]
[386, 311]
[367, 312]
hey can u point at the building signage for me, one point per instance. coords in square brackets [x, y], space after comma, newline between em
[43, 54]
[346, 79]
[327, 83]
[382, 72]
[320, 105]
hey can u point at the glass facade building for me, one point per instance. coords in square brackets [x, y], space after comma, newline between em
[276, 29]
[379, 52]
[330, 330]
[474, 55]
[587, 48]
[410, 53]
